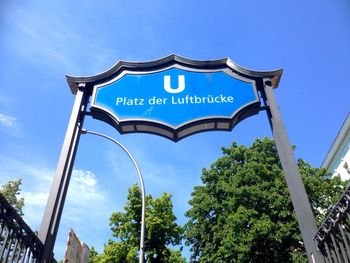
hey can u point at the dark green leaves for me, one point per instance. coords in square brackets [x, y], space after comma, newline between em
[11, 191]
[243, 212]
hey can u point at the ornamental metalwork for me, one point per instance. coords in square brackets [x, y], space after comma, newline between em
[18, 243]
[333, 236]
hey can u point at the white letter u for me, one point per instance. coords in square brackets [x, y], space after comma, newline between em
[180, 88]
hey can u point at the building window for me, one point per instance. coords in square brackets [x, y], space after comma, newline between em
[346, 166]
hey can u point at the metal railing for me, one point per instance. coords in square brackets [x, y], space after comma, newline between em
[333, 236]
[18, 243]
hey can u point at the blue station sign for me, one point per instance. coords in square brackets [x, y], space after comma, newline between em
[174, 97]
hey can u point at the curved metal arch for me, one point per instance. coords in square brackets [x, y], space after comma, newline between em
[74, 81]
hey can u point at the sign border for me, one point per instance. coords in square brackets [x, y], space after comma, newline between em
[174, 133]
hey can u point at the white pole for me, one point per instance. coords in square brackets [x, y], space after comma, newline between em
[143, 216]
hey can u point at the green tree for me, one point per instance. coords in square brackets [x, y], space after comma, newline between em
[175, 257]
[92, 255]
[162, 231]
[243, 212]
[11, 191]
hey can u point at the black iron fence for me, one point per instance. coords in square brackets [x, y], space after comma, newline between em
[18, 243]
[333, 236]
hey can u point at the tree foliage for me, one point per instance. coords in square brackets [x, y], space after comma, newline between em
[162, 231]
[92, 255]
[243, 212]
[11, 191]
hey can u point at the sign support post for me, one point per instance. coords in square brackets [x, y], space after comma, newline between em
[57, 197]
[295, 184]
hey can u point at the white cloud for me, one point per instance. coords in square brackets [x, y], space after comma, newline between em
[82, 192]
[83, 197]
[85, 177]
[7, 121]
[36, 182]
[36, 199]
[83, 189]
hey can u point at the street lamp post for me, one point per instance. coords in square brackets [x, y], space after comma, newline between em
[143, 221]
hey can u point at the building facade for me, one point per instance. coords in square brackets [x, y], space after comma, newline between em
[337, 160]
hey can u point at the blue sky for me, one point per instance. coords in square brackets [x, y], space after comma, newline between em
[42, 41]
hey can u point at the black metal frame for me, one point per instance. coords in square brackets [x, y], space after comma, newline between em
[168, 61]
[296, 188]
[52, 216]
[265, 81]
